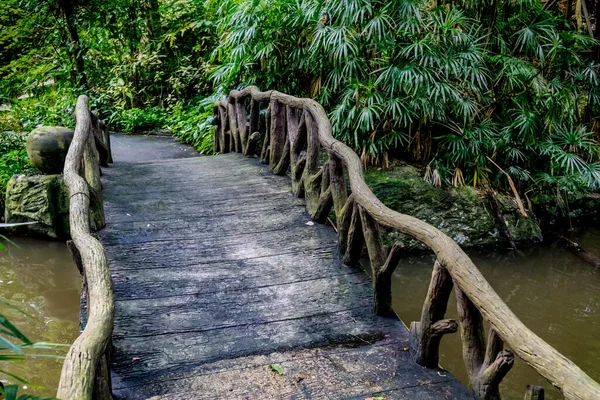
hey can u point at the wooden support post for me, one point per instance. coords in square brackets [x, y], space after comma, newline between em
[325, 197]
[297, 153]
[242, 124]
[372, 237]
[292, 118]
[381, 268]
[338, 183]
[343, 223]
[278, 135]
[323, 207]
[235, 145]
[284, 162]
[312, 173]
[427, 333]
[254, 116]
[471, 332]
[356, 241]
[534, 393]
[382, 282]
[297, 173]
[486, 368]
[106, 136]
[217, 137]
[312, 144]
[264, 154]
[224, 135]
[325, 178]
[251, 147]
[252, 144]
[496, 364]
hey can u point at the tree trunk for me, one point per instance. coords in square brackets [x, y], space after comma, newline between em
[68, 9]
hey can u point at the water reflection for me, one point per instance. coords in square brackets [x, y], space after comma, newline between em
[42, 280]
[556, 294]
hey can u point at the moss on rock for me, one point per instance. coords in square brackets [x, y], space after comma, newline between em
[40, 198]
[461, 213]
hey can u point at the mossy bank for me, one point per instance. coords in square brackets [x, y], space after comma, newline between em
[463, 213]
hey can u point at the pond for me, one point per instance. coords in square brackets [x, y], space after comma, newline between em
[40, 278]
[554, 293]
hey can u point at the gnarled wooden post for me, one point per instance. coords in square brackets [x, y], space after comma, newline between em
[381, 267]
[254, 137]
[242, 124]
[343, 223]
[266, 149]
[234, 145]
[277, 136]
[427, 333]
[339, 193]
[486, 364]
[298, 140]
[356, 240]
[382, 282]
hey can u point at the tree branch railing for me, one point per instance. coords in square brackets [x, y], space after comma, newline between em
[85, 372]
[293, 133]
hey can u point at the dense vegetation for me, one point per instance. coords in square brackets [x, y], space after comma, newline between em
[471, 91]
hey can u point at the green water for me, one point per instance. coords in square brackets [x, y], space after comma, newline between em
[40, 279]
[556, 295]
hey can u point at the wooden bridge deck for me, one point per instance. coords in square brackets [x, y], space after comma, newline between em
[218, 276]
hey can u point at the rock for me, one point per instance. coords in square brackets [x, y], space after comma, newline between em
[41, 198]
[461, 213]
[47, 148]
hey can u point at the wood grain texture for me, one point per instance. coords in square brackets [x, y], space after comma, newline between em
[237, 280]
[547, 361]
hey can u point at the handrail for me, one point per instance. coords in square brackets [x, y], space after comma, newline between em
[85, 372]
[294, 129]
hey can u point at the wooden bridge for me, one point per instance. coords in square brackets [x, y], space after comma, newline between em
[217, 276]
[211, 280]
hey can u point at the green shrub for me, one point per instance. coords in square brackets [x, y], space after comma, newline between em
[138, 120]
[52, 107]
[193, 125]
[13, 160]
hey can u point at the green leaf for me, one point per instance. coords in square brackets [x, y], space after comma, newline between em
[4, 322]
[15, 377]
[7, 344]
[277, 368]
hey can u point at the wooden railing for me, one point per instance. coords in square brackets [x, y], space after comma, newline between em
[294, 133]
[85, 373]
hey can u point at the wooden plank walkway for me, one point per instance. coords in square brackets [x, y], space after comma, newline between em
[217, 276]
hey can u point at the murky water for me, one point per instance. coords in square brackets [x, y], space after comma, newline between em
[40, 279]
[553, 292]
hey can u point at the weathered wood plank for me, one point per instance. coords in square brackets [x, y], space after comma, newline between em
[245, 274]
[336, 373]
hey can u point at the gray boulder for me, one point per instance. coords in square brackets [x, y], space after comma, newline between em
[47, 148]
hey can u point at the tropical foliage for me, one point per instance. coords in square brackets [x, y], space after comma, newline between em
[463, 88]
[472, 91]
